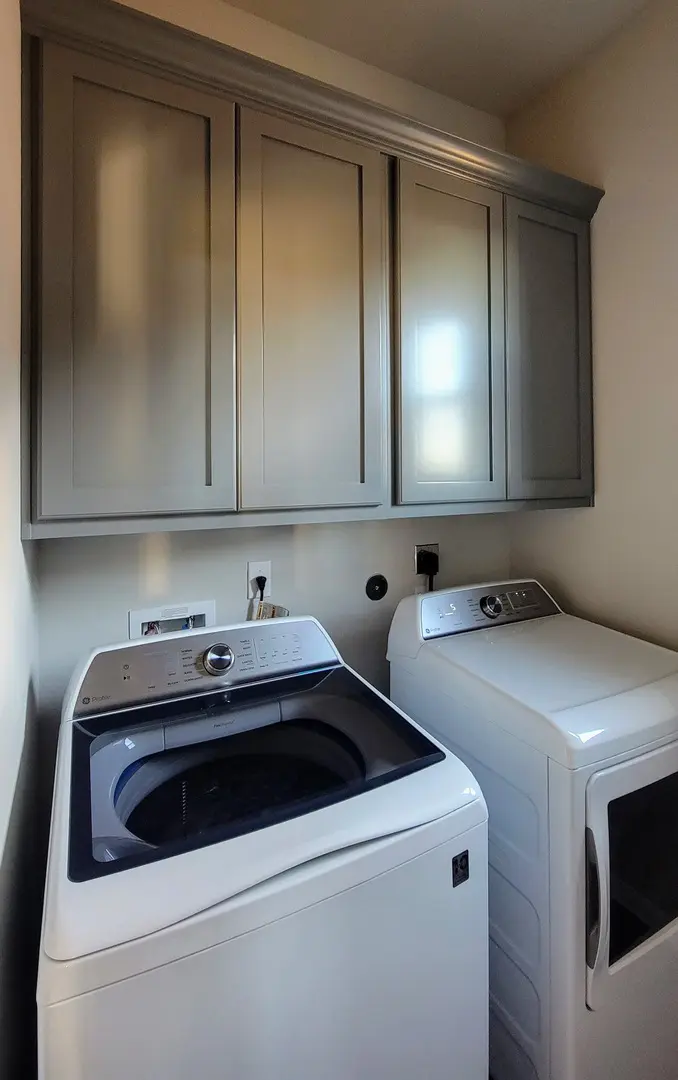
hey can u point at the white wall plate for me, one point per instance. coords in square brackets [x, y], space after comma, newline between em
[164, 620]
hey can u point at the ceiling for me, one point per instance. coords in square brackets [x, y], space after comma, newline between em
[493, 54]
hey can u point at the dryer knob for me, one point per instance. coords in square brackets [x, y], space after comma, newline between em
[218, 659]
[491, 606]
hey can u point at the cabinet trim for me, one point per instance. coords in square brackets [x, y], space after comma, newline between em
[123, 526]
[106, 29]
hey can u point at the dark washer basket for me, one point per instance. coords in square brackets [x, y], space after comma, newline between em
[242, 777]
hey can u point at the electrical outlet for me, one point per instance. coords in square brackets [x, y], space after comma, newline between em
[255, 570]
[425, 547]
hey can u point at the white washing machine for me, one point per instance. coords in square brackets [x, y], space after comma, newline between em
[572, 732]
[259, 869]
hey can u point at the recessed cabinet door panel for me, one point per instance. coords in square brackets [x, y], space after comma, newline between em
[451, 387]
[311, 303]
[137, 354]
[549, 354]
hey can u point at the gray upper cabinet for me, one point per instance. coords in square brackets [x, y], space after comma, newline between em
[251, 298]
[548, 354]
[137, 368]
[311, 318]
[451, 402]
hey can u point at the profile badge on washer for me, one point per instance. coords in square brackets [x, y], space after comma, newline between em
[460, 869]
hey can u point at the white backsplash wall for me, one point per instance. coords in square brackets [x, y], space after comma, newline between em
[85, 587]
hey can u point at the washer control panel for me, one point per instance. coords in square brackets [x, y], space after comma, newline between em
[456, 611]
[159, 668]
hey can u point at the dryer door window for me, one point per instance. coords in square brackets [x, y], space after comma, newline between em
[643, 827]
[632, 871]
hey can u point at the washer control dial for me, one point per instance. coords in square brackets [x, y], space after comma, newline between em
[218, 659]
[491, 606]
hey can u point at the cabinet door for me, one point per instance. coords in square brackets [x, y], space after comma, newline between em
[311, 317]
[451, 385]
[137, 365]
[549, 354]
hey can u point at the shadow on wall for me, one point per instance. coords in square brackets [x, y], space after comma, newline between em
[21, 889]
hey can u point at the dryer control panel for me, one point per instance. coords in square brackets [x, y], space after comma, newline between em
[197, 661]
[456, 611]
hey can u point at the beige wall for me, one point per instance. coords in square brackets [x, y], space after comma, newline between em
[216, 19]
[15, 643]
[614, 122]
[86, 586]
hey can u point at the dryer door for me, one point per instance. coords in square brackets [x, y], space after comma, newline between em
[632, 875]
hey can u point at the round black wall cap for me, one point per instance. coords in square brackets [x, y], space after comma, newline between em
[376, 587]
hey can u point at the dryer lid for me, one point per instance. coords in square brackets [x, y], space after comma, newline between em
[559, 662]
[575, 690]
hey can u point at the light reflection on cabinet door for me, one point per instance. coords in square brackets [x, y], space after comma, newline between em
[451, 339]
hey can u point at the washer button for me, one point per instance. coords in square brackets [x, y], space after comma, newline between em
[218, 659]
[491, 606]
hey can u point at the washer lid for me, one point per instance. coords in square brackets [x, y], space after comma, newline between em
[156, 781]
[585, 692]
[392, 778]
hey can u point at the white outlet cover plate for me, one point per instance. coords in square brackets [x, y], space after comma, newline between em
[425, 547]
[254, 570]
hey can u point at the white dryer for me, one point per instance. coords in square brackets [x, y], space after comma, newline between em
[259, 869]
[572, 732]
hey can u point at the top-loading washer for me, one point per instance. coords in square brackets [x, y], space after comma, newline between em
[572, 730]
[259, 869]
